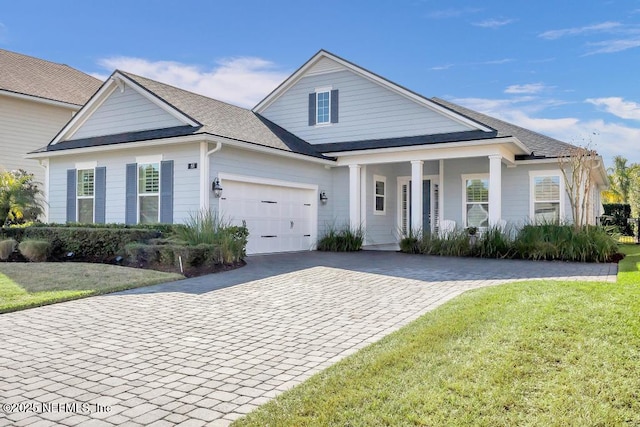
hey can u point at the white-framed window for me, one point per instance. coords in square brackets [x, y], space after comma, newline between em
[546, 196]
[148, 192]
[323, 107]
[379, 195]
[475, 200]
[85, 195]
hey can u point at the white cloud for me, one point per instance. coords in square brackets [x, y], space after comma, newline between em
[493, 23]
[618, 107]
[453, 13]
[526, 88]
[241, 81]
[602, 27]
[496, 61]
[442, 67]
[608, 138]
[612, 46]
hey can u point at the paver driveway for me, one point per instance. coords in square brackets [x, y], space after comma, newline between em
[204, 351]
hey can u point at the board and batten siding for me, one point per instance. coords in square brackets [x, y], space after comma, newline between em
[186, 184]
[126, 111]
[260, 165]
[26, 126]
[367, 111]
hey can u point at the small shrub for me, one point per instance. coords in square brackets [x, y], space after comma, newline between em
[7, 247]
[35, 250]
[345, 239]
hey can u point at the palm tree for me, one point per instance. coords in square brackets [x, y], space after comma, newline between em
[620, 177]
[19, 198]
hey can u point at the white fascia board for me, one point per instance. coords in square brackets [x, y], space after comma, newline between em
[156, 100]
[180, 140]
[503, 146]
[293, 79]
[268, 150]
[85, 112]
[431, 153]
[46, 101]
[103, 93]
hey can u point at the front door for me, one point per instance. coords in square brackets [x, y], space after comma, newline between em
[405, 206]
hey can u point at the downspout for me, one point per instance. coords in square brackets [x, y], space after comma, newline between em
[204, 173]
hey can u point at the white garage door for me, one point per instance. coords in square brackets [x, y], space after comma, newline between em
[279, 218]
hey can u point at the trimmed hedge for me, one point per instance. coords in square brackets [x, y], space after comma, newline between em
[94, 244]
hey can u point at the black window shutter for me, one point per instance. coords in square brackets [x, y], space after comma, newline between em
[131, 201]
[100, 194]
[312, 109]
[71, 195]
[166, 192]
[334, 106]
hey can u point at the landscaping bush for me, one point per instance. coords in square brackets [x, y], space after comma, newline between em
[534, 242]
[208, 228]
[345, 239]
[7, 247]
[91, 244]
[35, 250]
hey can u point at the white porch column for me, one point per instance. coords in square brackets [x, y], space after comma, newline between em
[355, 189]
[416, 195]
[495, 189]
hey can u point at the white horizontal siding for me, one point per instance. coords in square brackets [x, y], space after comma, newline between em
[516, 191]
[260, 165]
[186, 196]
[126, 111]
[27, 126]
[367, 110]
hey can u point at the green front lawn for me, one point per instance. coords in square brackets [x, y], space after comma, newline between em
[535, 353]
[24, 285]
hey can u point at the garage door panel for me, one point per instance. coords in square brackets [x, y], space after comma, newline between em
[279, 218]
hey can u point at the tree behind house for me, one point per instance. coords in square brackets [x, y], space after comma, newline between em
[19, 197]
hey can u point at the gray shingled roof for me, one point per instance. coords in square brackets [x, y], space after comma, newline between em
[43, 79]
[222, 119]
[541, 145]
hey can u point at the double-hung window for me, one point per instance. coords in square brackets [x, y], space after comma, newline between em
[323, 105]
[546, 197]
[85, 194]
[148, 192]
[476, 200]
[380, 195]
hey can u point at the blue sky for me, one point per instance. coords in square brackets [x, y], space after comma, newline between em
[564, 68]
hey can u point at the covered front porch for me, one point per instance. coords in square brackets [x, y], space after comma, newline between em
[401, 192]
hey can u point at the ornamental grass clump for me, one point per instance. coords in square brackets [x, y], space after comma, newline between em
[7, 247]
[35, 250]
[343, 239]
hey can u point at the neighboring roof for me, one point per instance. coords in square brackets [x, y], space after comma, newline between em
[541, 145]
[214, 117]
[26, 75]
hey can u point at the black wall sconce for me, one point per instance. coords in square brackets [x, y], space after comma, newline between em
[323, 197]
[216, 188]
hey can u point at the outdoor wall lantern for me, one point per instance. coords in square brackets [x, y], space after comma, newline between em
[323, 197]
[216, 188]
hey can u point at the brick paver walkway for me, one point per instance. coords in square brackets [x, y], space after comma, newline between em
[205, 351]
